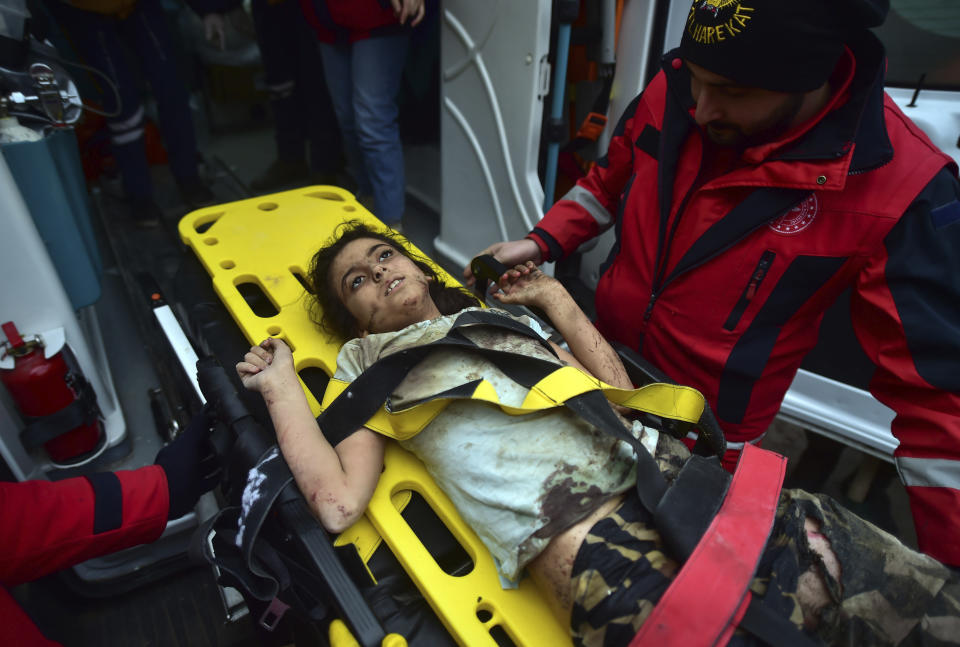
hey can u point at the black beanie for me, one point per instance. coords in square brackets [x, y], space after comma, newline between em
[782, 45]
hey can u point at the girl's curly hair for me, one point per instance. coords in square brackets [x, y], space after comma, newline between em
[329, 313]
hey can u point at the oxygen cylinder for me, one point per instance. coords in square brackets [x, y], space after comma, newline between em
[42, 386]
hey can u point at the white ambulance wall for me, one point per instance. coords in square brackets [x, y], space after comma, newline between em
[32, 296]
[494, 75]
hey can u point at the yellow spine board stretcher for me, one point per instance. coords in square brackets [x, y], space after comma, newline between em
[266, 243]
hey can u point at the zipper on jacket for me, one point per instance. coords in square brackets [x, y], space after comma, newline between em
[867, 169]
[750, 291]
[663, 255]
[649, 310]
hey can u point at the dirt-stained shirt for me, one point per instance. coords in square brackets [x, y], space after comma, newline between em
[517, 480]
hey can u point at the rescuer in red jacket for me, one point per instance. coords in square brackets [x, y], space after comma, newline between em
[48, 526]
[762, 173]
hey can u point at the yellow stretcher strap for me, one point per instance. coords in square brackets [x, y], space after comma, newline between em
[664, 400]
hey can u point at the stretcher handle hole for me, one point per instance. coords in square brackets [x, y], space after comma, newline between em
[297, 274]
[206, 221]
[315, 379]
[257, 299]
[349, 207]
[326, 195]
[211, 241]
[497, 632]
[501, 637]
[436, 537]
[267, 206]
[227, 265]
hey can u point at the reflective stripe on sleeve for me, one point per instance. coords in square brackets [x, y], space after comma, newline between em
[929, 472]
[589, 202]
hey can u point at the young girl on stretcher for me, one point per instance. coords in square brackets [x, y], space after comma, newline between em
[547, 492]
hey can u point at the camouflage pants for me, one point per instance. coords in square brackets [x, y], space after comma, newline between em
[886, 594]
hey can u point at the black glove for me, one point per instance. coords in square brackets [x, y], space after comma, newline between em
[191, 465]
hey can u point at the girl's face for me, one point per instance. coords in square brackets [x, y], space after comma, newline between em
[383, 289]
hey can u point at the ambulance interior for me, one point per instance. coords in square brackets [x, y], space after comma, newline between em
[493, 92]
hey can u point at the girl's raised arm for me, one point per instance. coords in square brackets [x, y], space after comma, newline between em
[336, 481]
[527, 285]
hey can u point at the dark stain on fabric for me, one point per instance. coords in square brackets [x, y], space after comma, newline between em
[567, 502]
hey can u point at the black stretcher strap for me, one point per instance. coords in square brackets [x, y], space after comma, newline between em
[276, 478]
[687, 508]
[367, 393]
[772, 628]
[264, 572]
[223, 553]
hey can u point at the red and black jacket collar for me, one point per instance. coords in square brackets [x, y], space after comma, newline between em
[858, 123]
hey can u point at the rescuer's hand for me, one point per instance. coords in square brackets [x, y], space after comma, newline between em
[510, 253]
[190, 463]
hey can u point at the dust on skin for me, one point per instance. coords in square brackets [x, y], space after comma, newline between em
[330, 499]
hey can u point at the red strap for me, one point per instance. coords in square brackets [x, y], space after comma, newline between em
[709, 595]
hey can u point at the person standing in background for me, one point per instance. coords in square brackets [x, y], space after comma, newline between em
[102, 32]
[302, 112]
[363, 46]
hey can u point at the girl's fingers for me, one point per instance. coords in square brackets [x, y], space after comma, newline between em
[255, 360]
[246, 368]
[265, 355]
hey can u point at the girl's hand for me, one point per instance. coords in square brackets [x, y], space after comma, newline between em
[526, 285]
[266, 365]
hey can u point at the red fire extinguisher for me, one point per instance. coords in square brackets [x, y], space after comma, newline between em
[57, 403]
